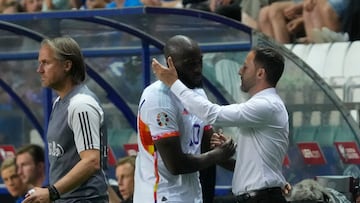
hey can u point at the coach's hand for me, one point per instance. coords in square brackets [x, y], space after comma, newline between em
[287, 189]
[37, 195]
[166, 75]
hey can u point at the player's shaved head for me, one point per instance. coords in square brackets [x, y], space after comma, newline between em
[187, 58]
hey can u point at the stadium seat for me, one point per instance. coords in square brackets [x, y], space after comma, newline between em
[332, 166]
[335, 59]
[223, 72]
[301, 50]
[352, 72]
[325, 135]
[226, 72]
[118, 137]
[305, 133]
[352, 60]
[317, 57]
[333, 71]
[289, 46]
[344, 134]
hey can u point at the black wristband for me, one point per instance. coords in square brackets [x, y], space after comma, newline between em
[53, 193]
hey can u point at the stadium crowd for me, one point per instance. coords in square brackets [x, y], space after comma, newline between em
[286, 21]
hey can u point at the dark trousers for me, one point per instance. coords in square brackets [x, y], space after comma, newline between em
[271, 195]
[264, 200]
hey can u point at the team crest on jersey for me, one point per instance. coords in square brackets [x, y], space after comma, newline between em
[162, 119]
[55, 149]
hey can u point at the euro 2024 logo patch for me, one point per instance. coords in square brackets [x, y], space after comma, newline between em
[162, 119]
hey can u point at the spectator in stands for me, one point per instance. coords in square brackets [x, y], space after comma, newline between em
[132, 3]
[9, 6]
[163, 3]
[13, 6]
[124, 172]
[172, 3]
[51, 5]
[2, 4]
[250, 10]
[324, 20]
[76, 4]
[228, 8]
[124, 3]
[151, 2]
[281, 20]
[321, 20]
[96, 4]
[116, 4]
[13, 183]
[351, 22]
[197, 4]
[31, 6]
[30, 162]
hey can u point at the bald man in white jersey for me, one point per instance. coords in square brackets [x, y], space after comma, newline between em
[171, 139]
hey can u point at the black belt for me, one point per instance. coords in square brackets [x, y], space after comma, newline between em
[257, 193]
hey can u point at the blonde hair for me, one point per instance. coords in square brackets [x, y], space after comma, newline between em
[7, 163]
[127, 159]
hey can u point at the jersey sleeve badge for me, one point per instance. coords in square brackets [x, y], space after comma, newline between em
[162, 119]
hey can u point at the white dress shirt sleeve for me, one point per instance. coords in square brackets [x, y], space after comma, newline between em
[195, 103]
[254, 112]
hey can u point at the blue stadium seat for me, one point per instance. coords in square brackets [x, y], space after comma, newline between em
[332, 167]
[326, 134]
[305, 133]
[344, 134]
[117, 138]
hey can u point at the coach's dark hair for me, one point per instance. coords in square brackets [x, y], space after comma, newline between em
[35, 151]
[66, 48]
[272, 61]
